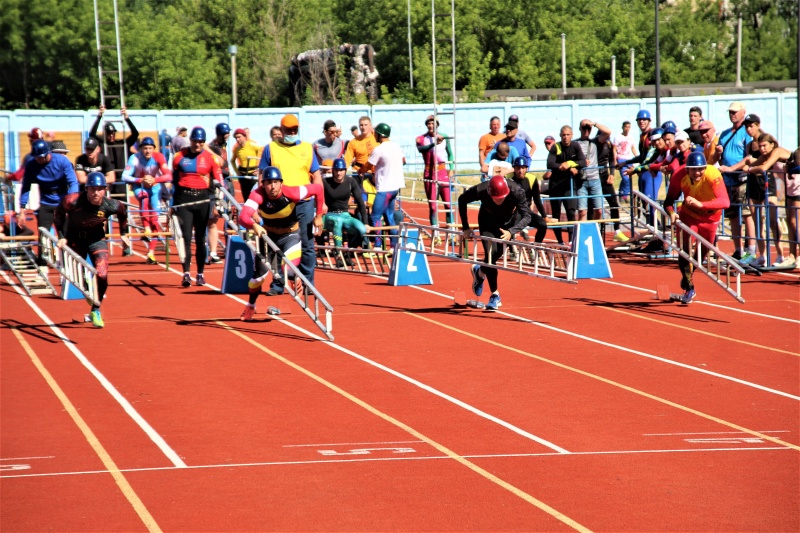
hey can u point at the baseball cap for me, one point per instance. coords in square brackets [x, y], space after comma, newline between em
[550, 138]
[90, 144]
[512, 125]
[431, 118]
[705, 125]
[681, 136]
[752, 118]
[239, 131]
[513, 118]
[59, 147]
[290, 121]
[736, 106]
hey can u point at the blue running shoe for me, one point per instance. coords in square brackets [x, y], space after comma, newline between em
[97, 318]
[688, 296]
[494, 302]
[477, 280]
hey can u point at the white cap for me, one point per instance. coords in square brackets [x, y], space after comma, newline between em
[681, 136]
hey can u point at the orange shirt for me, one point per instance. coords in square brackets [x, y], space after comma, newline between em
[709, 190]
[358, 151]
[710, 150]
[487, 142]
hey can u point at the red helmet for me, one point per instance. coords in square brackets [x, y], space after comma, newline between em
[498, 187]
[35, 134]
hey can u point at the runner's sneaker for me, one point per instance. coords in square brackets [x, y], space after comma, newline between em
[213, 258]
[247, 314]
[787, 261]
[127, 251]
[200, 280]
[477, 280]
[688, 296]
[746, 259]
[97, 318]
[494, 302]
[759, 263]
[737, 254]
[151, 258]
[187, 280]
[620, 237]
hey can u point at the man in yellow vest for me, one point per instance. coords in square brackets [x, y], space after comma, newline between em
[298, 166]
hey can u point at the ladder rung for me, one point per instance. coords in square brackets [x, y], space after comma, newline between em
[445, 113]
[442, 15]
[105, 22]
[112, 96]
[444, 64]
[104, 72]
[108, 47]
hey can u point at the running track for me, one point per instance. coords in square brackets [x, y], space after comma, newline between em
[577, 407]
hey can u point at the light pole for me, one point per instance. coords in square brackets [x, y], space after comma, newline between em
[232, 51]
[614, 74]
[563, 63]
[658, 70]
[738, 82]
[410, 57]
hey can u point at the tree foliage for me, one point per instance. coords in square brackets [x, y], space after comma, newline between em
[175, 52]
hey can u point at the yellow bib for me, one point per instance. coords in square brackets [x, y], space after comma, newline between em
[294, 162]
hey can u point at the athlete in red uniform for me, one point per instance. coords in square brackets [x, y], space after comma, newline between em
[195, 172]
[704, 195]
[277, 206]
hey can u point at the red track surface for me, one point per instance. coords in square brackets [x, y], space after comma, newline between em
[577, 406]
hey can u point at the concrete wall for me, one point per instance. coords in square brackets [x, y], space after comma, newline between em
[778, 112]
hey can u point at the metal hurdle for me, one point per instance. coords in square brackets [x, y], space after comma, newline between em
[73, 267]
[546, 261]
[311, 299]
[722, 269]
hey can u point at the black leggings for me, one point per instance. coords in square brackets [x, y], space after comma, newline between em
[193, 217]
[492, 251]
[44, 218]
[561, 189]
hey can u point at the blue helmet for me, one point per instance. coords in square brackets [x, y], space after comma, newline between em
[222, 128]
[271, 174]
[339, 164]
[96, 179]
[669, 127]
[696, 160]
[643, 114]
[656, 134]
[147, 141]
[520, 162]
[40, 148]
[198, 134]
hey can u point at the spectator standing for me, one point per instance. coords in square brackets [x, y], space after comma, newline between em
[732, 149]
[330, 146]
[694, 132]
[530, 185]
[565, 160]
[245, 156]
[710, 142]
[527, 139]
[625, 146]
[387, 161]
[298, 166]
[359, 148]
[339, 188]
[590, 190]
[164, 143]
[438, 173]
[180, 141]
[512, 129]
[488, 141]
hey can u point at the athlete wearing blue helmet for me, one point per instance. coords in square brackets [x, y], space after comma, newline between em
[339, 164]
[198, 134]
[696, 160]
[147, 141]
[271, 174]
[644, 114]
[656, 134]
[96, 179]
[40, 148]
[222, 129]
[669, 125]
[520, 162]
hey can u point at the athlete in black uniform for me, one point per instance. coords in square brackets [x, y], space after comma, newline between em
[80, 221]
[501, 199]
[530, 185]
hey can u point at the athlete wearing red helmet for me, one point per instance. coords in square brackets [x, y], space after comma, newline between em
[504, 212]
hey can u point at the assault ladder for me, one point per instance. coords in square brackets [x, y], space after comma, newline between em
[22, 262]
[106, 16]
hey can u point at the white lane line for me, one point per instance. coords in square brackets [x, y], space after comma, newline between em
[404, 458]
[352, 443]
[26, 458]
[629, 350]
[408, 379]
[712, 433]
[157, 439]
[736, 309]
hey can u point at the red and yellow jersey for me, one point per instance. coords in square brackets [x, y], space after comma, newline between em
[709, 190]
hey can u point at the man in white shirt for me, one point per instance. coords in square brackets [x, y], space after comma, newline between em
[386, 161]
[625, 147]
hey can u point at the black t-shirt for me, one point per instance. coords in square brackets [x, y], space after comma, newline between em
[337, 195]
[103, 165]
[491, 215]
[696, 136]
